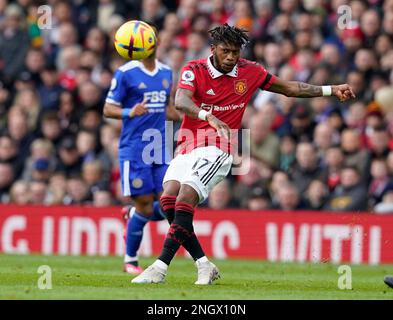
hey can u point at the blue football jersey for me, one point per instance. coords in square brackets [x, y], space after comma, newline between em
[132, 83]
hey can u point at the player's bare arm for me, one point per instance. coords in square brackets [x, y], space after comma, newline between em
[114, 111]
[184, 103]
[172, 113]
[304, 90]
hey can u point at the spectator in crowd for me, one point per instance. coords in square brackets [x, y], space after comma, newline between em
[102, 198]
[20, 193]
[38, 192]
[336, 120]
[52, 84]
[41, 159]
[70, 162]
[246, 182]
[50, 89]
[302, 123]
[323, 138]
[220, 196]
[57, 188]
[354, 155]
[316, 195]
[41, 170]
[379, 180]
[18, 130]
[86, 143]
[379, 143]
[77, 191]
[307, 167]
[389, 162]
[287, 152]
[91, 120]
[386, 206]
[350, 194]
[259, 199]
[34, 65]
[279, 179]
[14, 43]
[50, 128]
[289, 198]
[8, 152]
[6, 180]
[197, 46]
[92, 174]
[28, 101]
[334, 162]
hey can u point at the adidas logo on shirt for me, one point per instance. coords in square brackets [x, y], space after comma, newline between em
[210, 92]
[142, 86]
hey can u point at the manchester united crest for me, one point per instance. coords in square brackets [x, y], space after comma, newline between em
[241, 86]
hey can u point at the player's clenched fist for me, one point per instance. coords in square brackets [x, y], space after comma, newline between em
[139, 109]
[222, 128]
[343, 92]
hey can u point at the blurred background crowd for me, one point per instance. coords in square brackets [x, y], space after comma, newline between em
[319, 154]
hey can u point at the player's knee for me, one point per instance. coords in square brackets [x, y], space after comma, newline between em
[144, 206]
[188, 195]
[171, 188]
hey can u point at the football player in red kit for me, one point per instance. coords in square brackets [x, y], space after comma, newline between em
[213, 93]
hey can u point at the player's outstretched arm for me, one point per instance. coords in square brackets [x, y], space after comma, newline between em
[184, 104]
[298, 89]
[115, 112]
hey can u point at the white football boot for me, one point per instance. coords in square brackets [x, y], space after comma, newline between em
[207, 273]
[152, 274]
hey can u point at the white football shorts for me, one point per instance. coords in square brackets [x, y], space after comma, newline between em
[201, 169]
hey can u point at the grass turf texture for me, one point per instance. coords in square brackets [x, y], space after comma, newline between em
[102, 278]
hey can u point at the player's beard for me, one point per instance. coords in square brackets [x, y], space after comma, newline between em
[218, 66]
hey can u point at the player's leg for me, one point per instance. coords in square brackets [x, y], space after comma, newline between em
[139, 215]
[181, 230]
[168, 201]
[158, 171]
[137, 183]
[199, 180]
[170, 192]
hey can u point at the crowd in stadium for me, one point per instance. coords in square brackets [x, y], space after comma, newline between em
[57, 148]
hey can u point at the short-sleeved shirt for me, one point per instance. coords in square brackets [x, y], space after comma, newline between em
[132, 83]
[224, 95]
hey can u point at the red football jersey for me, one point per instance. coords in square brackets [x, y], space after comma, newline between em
[224, 95]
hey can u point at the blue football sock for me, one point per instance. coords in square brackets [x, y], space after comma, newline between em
[135, 233]
[158, 214]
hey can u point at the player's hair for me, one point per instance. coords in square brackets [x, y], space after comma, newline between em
[229, 35]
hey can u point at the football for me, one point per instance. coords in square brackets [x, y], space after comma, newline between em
[135, 40]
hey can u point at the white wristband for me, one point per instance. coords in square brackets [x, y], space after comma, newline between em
[203, 114]
[326, 90]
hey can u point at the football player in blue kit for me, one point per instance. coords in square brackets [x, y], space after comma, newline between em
[141, 96]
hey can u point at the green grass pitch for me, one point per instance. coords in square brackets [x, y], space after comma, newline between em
[102, 278]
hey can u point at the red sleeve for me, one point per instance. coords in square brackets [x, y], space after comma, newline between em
[266, 78]
[187, 78]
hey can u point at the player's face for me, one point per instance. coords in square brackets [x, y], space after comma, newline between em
[225, 56]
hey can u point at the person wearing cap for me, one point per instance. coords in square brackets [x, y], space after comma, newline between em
[352, 38]
[302, 123]
[259, 199]
[70, 162]
[41, 170]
